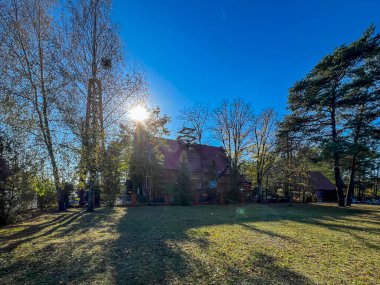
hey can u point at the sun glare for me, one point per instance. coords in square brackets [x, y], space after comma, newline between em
[138, 113]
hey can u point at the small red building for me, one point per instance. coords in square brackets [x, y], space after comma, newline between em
[323, 188]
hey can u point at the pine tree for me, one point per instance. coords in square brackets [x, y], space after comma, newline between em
[362, 111]
[182, 195]
[145, 163]
[111, 165]
[318, 101]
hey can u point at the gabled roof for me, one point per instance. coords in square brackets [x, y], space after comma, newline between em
[320, 182]
[173, 149]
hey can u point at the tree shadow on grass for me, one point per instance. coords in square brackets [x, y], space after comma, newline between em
[269, 233]
[157, 245]
[150, 250]
[39, 230]
[30, 228]
[62, 253]
[148, 253]
[265, 270]
[341, 220]
[354, 231]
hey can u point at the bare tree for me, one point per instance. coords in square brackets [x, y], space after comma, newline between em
[264, 144]
[233, 128]
[197, 118]
[31, 75]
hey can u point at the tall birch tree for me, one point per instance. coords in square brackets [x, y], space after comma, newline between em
[31, 75]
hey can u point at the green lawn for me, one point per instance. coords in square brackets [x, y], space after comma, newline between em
[236, 244]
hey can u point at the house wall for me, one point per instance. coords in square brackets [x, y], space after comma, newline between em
[326, 195]
[169, 179]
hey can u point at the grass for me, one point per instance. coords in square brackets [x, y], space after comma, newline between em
[236, 244]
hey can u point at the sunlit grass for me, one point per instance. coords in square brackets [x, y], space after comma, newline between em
[236, 244]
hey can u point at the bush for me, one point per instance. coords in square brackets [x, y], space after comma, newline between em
[46, 193]
[17, 194]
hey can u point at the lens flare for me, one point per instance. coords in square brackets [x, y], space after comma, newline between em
[139, 113]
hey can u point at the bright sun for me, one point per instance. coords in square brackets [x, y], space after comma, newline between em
[138, 113]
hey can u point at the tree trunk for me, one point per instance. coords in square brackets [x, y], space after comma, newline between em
[358, 126]
[3, 179]
[46, 127]
[3, 218]
[259, 192]
[303, 194]
[338, 181]
[82, 171]
[376, 184]
[60, 196]
[336, 156]
[91, 193]
[350, 189]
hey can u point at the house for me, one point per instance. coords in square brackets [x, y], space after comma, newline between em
[323, 188]
[208, 165]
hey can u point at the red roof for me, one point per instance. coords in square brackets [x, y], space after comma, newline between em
[173, 149]
[319, 182]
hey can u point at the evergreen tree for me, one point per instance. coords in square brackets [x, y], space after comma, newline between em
[111, 165]
[362, 112]
[182, 194]
[145, 162]
[318, 101]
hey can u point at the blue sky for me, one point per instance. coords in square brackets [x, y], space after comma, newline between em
[209, 50]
